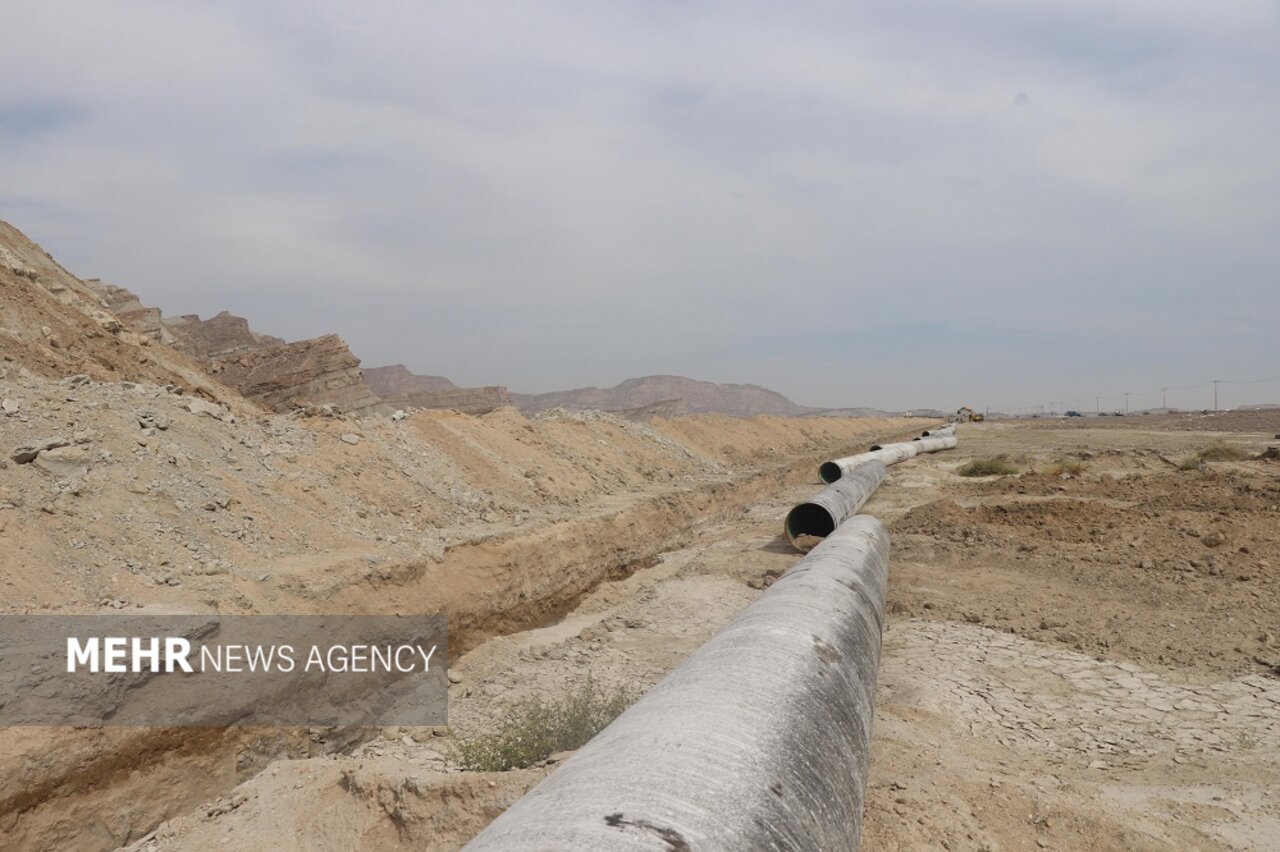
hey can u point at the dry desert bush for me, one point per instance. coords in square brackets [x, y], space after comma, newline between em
[534, 728]
[998, 466]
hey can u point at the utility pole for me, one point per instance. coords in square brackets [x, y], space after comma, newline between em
[1164, 398]
[1215, 394]
[1097, 405]
[1126, 402]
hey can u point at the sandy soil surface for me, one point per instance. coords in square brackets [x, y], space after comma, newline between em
[1072, 661]
[1085, 661]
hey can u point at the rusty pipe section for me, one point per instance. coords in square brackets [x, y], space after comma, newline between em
[819, 516]
[889, 454]
[939, 431]
[759, 740]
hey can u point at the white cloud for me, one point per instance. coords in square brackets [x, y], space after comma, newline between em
[632, 187]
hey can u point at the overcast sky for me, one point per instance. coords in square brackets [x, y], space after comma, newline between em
[911, 203]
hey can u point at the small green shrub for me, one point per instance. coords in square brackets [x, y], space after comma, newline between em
[997, 466]
[1193, 463]
[1221, 452]
[534, 729]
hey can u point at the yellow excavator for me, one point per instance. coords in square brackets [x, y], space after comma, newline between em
[968, 415]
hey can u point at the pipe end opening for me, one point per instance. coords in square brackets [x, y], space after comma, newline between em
[807, 522]
[829, 471]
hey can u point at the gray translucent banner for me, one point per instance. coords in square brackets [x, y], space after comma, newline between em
[222, 670]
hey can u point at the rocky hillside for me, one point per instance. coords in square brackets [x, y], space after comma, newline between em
[467, 400]
[695, 397]
[53, 324]
[401, 388]
[397, 380]
[278, 375]
[288, 376]
[204, 339]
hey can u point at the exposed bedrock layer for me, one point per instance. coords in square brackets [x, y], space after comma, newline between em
[277, 375]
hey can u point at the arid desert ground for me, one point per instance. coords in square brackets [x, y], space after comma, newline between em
[1079, 655]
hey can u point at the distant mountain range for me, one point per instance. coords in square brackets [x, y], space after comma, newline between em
[397, 380]
[639, 398]
[695, 397]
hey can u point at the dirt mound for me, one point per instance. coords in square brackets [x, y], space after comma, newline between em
[932, 517]
[216, 506]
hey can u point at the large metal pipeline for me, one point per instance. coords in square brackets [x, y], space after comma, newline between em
[933, 445]
[939, 431]
[832, 470]
[819, 516]
[759, 740]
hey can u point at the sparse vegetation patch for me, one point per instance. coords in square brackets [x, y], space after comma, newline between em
[1065, 466]
[535, 728]
[1222, 452]
[998, 466]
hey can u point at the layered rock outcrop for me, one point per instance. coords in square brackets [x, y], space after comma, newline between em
[398, 381]
[402, 388]
[318, 371]
[223, 334]
[275, 374]
[466, 400]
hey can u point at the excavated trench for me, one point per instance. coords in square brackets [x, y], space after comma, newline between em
[99, 789]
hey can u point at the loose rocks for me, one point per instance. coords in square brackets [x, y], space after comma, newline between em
[64, 462]
[208, 409]
[28, 452]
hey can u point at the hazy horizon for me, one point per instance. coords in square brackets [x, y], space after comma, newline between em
[898, 206]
